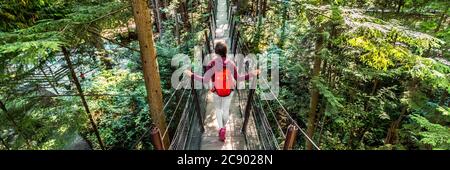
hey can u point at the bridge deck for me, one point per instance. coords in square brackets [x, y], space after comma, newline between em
[234, 138]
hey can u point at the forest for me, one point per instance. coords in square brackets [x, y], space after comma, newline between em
[96, 74]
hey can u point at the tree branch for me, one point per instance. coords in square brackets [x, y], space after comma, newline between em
[112, 41]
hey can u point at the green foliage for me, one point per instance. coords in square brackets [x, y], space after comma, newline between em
[45, 124]
[377, 66]
[368, 62]
[433, 134]
[333, 101]
[122, 117]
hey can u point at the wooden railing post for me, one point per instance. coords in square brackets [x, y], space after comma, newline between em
[229, 13]
[231, 23]
[227, 7]
[291, 136]
[248, 109]
[211, 9]
[232, 35]
[207, 42]
[215, 9]
[236, 41]
[230, 27]
[197, 105]
[156, 138]
[211, 26]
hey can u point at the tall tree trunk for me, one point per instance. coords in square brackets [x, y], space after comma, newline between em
[360, 137]
[392, 134]
[162, 4]
[314, 92]
[400, 5]
[258, 8]
[157, 12]
[252, 10]
[104, 57]
[321, 130]
[83, 100]
[442, 19]
[448, 104]
[177, 28]
[442, 100]
[4, 143]
[321, 115]
[264, 8]
[375, 86]
[98, 43]
[184, 14]
[331, 76]
[283, 27]
[322, 108]
[48, 80]
[15, 125]
[374, 89]
[242, 7]
[53, 75]
[142, 16]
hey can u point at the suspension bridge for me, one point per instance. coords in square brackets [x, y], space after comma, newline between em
[248, 127]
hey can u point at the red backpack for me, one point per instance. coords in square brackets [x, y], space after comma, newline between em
[223, 82]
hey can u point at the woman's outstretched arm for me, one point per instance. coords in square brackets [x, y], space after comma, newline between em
[206, 78]
[239, 77]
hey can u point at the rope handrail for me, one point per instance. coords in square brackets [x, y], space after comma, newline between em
[274, 117]
[292, 119]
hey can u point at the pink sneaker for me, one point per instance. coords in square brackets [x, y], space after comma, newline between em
[222, 132]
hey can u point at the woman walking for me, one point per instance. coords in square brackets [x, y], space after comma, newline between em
[224, 75]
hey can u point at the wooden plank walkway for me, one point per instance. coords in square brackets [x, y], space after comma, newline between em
[234, 138]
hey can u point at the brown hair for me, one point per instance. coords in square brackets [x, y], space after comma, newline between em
[221, 49]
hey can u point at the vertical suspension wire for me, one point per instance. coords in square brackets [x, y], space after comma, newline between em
[260, 135]
[181, 124]
[173, 115]
[268, 126]
[276, 120]
[183, 121]
[188, 126]
[261, 126]
[269, 136]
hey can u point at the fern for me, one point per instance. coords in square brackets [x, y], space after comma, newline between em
[433, 134]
